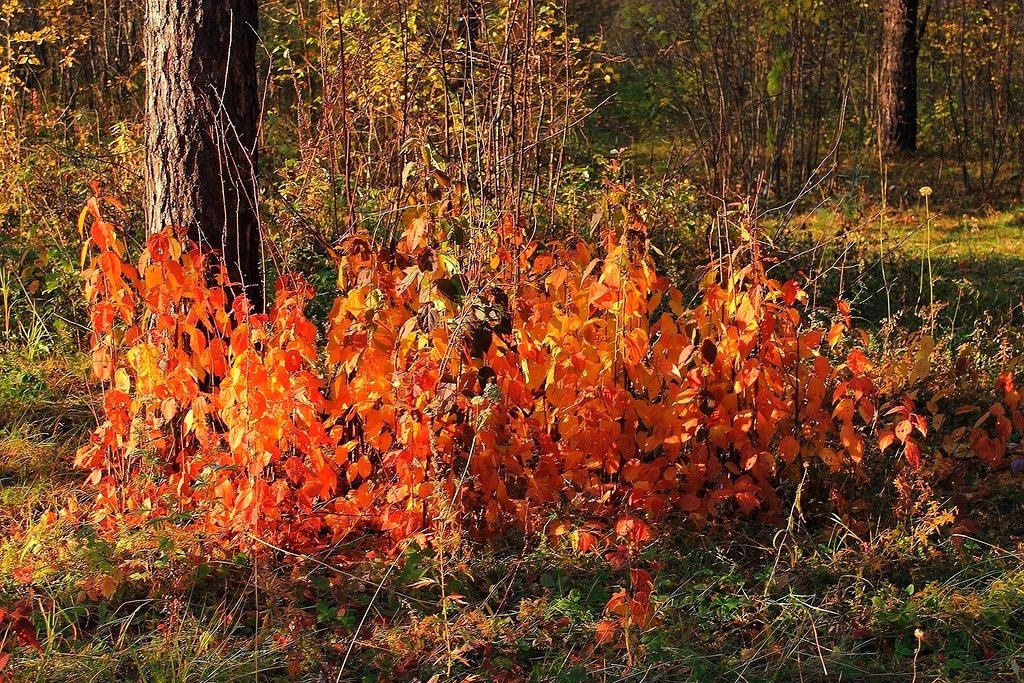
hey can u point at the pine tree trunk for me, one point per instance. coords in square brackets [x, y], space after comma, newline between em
[201, 123]
[897, 77]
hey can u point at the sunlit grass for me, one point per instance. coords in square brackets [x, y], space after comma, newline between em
[880, 261]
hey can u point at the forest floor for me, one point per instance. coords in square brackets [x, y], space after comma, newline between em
[931, 591]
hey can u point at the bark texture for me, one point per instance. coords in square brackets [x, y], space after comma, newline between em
[897, 77]
[201, 127]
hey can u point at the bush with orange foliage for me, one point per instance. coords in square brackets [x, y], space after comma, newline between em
[495, 384]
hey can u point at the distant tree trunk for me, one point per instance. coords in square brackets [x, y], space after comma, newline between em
[201, 124]
[897, 77]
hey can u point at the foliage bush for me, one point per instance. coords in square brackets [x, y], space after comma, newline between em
[495, 384]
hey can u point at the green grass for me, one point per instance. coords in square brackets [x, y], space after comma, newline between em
[881, 262]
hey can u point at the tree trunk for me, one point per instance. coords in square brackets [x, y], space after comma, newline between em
[201, 124]
[897, 77]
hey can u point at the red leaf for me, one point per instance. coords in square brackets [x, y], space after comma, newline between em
[641, 579]
[913, 454]
[24, 575]
[790, 291]
[633, 529]
[709, 351]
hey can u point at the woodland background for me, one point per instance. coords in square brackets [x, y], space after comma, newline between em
[710, 176]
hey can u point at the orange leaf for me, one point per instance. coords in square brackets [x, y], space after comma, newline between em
[364, 467]
[858, 362]
[835, 334]
[606, 631]
[913, 454]
[903, 429]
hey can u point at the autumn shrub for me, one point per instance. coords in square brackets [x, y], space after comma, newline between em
[498, 383]
[490, 385]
